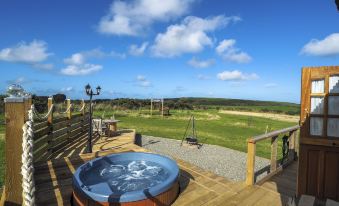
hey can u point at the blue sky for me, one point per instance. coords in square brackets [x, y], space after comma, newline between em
[174, 48]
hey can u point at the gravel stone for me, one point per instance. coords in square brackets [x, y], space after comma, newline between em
[222, 161]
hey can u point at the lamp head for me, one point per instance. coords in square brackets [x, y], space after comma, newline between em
[88, 89]
[98, 89]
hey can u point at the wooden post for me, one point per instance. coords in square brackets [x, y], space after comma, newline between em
[292, 152]
[251, 147]
[50, 125]
[83, 106]
[49, 104]
[274, 150]
[15, 114]
[69, 112]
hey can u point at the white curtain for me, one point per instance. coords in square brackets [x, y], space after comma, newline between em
[333, 127]
[317, 105]
[316, 126]
[333, 105]
[318, 86]
[334, 84]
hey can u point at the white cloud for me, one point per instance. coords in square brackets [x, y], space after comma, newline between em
[326, 47]
[236, 75]
[227, 50]
[142, 81]
[76, 59]
[190, 36]
[84, 69]
[135, 17]
[270, 85]
[67, 89]
[77, 62]
[194, 62]
[138, 51]
[33, 52]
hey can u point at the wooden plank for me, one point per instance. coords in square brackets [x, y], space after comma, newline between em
[274, 133]
[15, 117]
[42, 141]
[42, 132]
[39, 125]
[274, 150]
[251, 149]
[60, 125]
[60, 132]
[59, 119]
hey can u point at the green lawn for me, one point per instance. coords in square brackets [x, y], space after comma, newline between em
[226, 130]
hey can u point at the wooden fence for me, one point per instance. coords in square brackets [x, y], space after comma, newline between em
[51, 135]
[55, 134]
[275, 167]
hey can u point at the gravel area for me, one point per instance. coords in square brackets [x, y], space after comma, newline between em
[219, 160]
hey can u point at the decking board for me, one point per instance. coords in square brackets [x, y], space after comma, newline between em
[198, 187]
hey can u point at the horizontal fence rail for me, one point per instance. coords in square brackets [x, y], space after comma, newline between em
[289, 150]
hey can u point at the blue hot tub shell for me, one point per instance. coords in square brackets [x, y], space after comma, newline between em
[106, 195]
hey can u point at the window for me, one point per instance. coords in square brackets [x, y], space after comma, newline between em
[316, 126]
[317, 105]
[325, 121]
[333, 127]
[318, 86]
[334, 84]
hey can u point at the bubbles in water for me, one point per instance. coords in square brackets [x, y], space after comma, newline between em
[112, 171]
[126, 176]
[137, 165]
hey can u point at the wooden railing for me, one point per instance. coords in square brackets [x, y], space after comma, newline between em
[54, 134]
[51, 135]
[275, 167]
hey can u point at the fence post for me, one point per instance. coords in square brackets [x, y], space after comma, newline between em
[274, 151]
[292, 151]
[15, 114]
[49, 104]
[83, 106]
[69, 112]
[251, 147]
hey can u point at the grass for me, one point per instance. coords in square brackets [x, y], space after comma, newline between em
[225, 130]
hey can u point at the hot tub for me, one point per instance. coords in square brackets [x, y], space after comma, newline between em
[132, 178]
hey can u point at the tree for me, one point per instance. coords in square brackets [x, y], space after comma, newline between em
[58, 98]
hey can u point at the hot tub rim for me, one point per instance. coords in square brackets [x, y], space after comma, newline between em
[133, 195]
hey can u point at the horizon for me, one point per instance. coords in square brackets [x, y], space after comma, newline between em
[192, 48]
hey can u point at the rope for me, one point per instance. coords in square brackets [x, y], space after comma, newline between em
[39, 116]
[27, 168]
[82, 108]
[67, 110]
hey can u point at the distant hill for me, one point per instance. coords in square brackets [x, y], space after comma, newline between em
[191, 103]
[240, 104]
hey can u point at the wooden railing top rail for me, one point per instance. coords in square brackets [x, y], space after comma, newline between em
[272, 134]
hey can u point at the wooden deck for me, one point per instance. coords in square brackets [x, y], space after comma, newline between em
[198, 187]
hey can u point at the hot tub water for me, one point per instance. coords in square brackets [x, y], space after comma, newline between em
[127, 176]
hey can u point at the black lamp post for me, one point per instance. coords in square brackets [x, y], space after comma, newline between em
[90, 93]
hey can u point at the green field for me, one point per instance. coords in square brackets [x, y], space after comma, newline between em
[225, 130]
